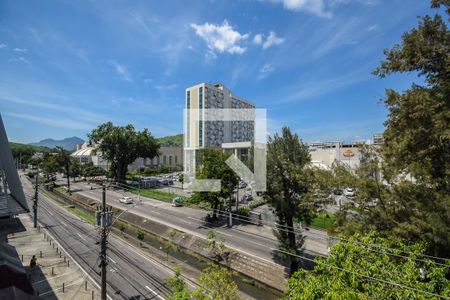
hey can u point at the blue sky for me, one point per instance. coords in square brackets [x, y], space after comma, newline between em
[68, 66]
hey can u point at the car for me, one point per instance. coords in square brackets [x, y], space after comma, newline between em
[126, 200]
[247, 198]
[164, 182]
[349, 192]
[177, 201]
[242, 184]
[337, 191]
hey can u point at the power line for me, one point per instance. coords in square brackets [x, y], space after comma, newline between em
[366, 276]
[369, 246]
[291, 229]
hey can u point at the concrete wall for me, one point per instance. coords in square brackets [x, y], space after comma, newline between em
[349, 156]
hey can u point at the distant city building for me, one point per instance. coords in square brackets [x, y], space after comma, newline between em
[377, 139]
[324, 154]
[170, 157]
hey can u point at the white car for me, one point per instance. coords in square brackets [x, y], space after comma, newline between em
[126, 200]
[349, 192]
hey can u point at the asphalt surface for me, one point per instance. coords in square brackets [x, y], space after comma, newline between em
[131, 273]
[257, 241]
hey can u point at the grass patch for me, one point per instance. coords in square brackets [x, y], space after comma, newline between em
[323, 220]
[84, 215]
[158, 195]
[76, 211]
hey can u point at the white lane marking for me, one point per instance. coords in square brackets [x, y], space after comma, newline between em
[70, 256]
[81, 236]
[112, 260]
[227, 234]
[146, 215]
[156, 294]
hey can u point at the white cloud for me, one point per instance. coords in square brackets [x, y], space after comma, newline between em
[20, 59]
[258, 39]
[321, 8]
[20, 50]
[265, 70]
[121, 70]
[54, 122]
[272, 40]
[221, 38]
[165, 87]
[372, 28]
[2, 45]
[316, 7]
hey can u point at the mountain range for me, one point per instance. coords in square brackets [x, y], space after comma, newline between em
[67, 143]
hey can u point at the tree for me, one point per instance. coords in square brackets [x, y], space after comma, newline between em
[181, 179]
[63, 158]
[50, 166]
[121, 145]
[217, 248]
[287, 159]
[416, 149]
[179, 286]
[216, 283]
[89, 170]
[74, 168]
[355, 270]
[140, 235]
[122, 228]
[212, 166]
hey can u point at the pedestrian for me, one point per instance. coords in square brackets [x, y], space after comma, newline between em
[33, 261]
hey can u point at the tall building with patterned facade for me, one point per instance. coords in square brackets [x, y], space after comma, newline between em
[230, 135]
[204, 133]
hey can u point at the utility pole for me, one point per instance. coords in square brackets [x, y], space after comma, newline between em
[103, 257]
[103, 219]
[35, 204]
[230, 220]
[237, 197]
[68, 172]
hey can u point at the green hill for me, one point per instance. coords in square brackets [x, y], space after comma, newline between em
[171, 140]
[24, 152]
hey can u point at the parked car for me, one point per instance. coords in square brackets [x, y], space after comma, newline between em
[349, 192]
[242, 184]
[247, 198]
[337, 191]
[177, 201]
[164, 182]
[126, 200]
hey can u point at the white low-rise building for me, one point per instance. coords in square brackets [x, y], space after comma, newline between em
[170, 157]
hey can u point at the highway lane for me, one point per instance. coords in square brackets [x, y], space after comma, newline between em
[131, 273]
[192, 221]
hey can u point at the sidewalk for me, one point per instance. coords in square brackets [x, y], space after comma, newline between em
[55, 276]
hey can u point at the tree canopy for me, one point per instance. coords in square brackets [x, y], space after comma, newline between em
[287, 175]
[370, 267]
[211, 165]
[122, 145]
[414, 188]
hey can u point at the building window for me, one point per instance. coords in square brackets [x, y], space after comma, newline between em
[164, 160]
[188, 118]
[200, 123]
[188, 99]
[170, 160]
[176, 160]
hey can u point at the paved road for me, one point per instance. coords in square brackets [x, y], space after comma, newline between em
[131, 273]
[253, 240]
